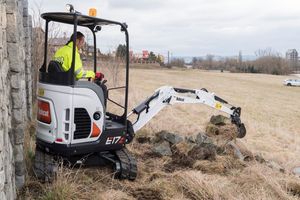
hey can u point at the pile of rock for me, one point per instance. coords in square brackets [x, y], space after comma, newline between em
[219, 138]
[215, 151]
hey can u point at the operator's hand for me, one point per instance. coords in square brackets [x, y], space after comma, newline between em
[99, 76]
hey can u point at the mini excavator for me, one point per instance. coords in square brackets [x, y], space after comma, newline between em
[73, 122]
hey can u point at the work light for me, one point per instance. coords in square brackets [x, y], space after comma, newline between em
[70, 8]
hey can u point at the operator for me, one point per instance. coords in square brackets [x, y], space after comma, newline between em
[64, 56]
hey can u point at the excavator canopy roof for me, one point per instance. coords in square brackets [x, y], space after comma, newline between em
[82, 20]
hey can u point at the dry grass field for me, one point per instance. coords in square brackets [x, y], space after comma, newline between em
[270, 111]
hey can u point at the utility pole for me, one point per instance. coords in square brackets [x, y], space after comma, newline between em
[240, 61]
[168, 57]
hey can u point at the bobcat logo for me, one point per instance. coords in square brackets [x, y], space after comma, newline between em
[179, 99]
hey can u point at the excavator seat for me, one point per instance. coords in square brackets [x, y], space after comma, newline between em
[54, 66]
[101, 90]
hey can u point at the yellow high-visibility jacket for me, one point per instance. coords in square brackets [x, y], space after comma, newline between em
[64, 56]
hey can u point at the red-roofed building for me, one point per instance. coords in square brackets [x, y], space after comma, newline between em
[145, 54]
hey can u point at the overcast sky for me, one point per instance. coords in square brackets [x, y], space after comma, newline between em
[197, 27]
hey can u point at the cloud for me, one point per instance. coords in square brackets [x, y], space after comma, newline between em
[197, 27]
[135, 4]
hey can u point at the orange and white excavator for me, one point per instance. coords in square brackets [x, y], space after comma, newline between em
[73, 122]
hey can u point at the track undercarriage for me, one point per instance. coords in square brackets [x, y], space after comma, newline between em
[124, 164]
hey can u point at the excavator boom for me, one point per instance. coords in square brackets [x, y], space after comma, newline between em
[168, 95]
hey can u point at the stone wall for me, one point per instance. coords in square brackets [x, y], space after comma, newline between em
[15, 92]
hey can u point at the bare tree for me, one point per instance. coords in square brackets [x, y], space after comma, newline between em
[38, 39]
[208, 62]
[37, 42]
[115, 71]
[178, 62]
[197, 63]
[36, 11]
[270, 62]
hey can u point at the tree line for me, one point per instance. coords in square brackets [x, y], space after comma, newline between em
[267, 61]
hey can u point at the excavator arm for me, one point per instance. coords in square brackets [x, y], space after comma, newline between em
[167, 95]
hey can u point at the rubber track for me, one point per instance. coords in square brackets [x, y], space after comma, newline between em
[45, 168]
[128, 164]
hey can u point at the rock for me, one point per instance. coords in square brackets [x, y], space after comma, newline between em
[183, 148]
[158, 137]
[212, 130]
[20, 180]
[248, 155]
[190, 139]
[259, 159]
[200, 147]
[296, 171]
[2, 179]
[203, 151]
[198, 139]
[275, 166]
[18, 116]
[232, 149]
[180, 159]
[162, 148]
[2, 195]
[167, 136]
[15, 81]
[15, 93]
[17, 100]
[18, 132]
[202, 138]
[19, 168]
[219, 120]
[19, 153]
[239, 150]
